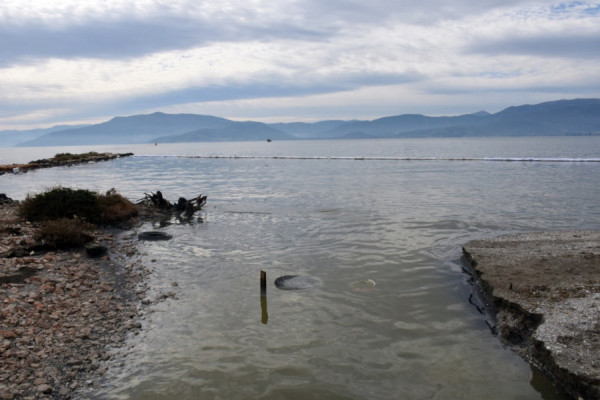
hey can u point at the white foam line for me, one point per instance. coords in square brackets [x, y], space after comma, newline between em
[492, 159]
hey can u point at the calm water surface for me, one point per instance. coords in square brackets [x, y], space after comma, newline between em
[400, 224]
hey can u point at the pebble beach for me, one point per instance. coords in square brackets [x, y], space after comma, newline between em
[62, 314]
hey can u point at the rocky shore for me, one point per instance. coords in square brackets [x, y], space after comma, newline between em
[62, 313]
[58, 160]
[543, 289]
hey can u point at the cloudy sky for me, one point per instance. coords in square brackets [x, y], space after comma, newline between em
[80, 61]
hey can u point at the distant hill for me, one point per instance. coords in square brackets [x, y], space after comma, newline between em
[234, 131]
[14, 137]
[307, 130]
[562, 117]
[128, 130]
[400, 125]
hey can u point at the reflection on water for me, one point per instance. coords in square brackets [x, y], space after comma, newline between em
[390, 317]
[264, 313]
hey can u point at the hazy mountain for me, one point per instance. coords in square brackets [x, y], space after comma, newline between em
[233, 131]
[389, 127]
[410, 125]
[563, 117]
[13, 137]
[306, 130]
[133, 129]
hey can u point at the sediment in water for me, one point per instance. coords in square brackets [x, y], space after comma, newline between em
[544, 290]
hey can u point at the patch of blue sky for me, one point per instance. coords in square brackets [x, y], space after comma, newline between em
[575, 9]
[500, 74]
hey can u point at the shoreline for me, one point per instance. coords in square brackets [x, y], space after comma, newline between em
[59, 160]
[543, 292]
[63, 313]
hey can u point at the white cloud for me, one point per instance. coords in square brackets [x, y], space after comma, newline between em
[342, 59]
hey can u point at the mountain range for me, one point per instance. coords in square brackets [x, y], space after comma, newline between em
[562, 117]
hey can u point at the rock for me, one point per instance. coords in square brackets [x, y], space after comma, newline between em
[95, 250]
[44, 388]
[4, 199]
[154, 235]
[544, 290]
[85, 332]
[295, 282]
[8, 334]
[6, 395]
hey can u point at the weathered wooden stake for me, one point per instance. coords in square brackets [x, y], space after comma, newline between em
[263, 297]
[263, 283]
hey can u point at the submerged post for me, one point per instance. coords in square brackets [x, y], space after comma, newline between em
[263, 297]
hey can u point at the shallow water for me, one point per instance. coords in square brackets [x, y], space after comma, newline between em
[400, 224]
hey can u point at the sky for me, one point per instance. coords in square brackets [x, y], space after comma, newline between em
[86, 61]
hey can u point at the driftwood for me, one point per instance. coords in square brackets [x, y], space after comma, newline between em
[4, 199]
[183, 207]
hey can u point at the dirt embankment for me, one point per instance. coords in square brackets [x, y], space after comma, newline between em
[544, 289]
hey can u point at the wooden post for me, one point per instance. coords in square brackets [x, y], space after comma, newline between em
[263, 283]
[263, 297]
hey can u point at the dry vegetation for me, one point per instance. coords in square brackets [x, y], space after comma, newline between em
[115, 209]
[65, 233]
[68, 217]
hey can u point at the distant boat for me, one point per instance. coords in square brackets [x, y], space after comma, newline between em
[268, 140]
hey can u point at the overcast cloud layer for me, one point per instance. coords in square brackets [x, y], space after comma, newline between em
[79, 61]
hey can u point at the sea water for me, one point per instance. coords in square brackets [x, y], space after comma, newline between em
[377, 225]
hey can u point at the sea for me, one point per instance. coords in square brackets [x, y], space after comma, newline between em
[374, 226]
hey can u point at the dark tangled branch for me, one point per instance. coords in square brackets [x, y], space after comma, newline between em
[183, 207]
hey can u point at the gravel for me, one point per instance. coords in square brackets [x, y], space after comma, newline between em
[62, 314]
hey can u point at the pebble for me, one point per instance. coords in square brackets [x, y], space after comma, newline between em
[44, 388]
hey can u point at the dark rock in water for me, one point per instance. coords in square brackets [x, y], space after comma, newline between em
[154, 235]
[96, 250]
[295, 282]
